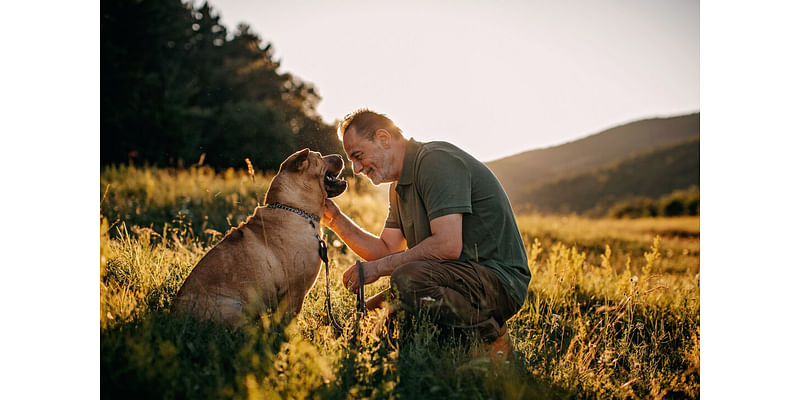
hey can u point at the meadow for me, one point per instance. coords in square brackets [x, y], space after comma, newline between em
[613, 309]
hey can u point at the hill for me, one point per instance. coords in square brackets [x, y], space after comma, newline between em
[652, 174]
[612, 165]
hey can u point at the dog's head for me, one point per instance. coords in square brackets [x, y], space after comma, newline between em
[307, 174]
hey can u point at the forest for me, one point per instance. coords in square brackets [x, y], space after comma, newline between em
[178, 88]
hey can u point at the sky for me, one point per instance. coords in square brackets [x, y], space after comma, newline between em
[495, 78]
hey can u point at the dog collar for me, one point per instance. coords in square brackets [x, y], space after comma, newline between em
[299, 212]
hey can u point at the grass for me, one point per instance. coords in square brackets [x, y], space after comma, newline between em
[612, 311]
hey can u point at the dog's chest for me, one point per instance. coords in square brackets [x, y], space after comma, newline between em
[298, 255]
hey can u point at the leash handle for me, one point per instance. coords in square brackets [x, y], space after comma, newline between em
[362, 305]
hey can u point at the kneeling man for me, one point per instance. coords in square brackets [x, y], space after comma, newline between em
[450, 242]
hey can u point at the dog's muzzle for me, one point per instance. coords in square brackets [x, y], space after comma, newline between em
[334, 185]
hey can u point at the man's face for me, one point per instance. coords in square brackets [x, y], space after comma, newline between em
[368, 157]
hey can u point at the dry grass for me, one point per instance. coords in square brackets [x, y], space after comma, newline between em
[611, 310]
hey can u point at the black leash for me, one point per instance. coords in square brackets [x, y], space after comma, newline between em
[362, 305]
[323, 254]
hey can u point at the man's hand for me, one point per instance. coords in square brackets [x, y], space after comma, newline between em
[331, 212]
[371, 274]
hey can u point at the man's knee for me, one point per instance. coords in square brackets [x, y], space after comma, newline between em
[410, 277]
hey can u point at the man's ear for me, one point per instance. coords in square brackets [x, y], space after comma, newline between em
[383, 137]
[298, 161]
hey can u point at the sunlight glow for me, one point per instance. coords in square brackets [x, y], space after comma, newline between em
[493, 78]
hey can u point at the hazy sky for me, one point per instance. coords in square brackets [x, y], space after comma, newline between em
[495, 78]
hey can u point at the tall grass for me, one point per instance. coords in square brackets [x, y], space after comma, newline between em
[612, 310]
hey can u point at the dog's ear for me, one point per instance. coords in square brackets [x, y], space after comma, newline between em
[299, 160]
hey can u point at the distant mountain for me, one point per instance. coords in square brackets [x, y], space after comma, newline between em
[648, 158]
[651, 174]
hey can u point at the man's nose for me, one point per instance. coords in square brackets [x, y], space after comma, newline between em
[357, 167]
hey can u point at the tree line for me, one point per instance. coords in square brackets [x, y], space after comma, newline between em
[178, 87]
[678, 203]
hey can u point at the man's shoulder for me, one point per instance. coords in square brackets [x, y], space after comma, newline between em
[443, 166]
[442, 150]
[428, 147]
[435, 155]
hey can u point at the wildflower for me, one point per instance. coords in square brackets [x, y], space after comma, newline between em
[250, 170]
[212, 232]
[634, 279]
[337, 243]
[428, 298]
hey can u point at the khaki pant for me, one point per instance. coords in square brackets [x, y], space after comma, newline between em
[463, 296]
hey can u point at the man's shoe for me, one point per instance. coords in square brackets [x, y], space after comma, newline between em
[500, 349]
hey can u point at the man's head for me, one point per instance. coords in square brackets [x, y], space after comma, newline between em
[366, 123]
[374, 144]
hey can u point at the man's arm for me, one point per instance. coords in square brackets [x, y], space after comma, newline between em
[365, 244]
[443, 244]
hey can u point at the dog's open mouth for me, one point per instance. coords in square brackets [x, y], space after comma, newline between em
[334, 185]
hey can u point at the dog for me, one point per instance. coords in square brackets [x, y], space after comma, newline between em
[272, 259]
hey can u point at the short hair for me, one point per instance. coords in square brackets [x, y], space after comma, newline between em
[366, 122]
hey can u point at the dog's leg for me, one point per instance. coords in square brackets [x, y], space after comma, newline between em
[228, 310]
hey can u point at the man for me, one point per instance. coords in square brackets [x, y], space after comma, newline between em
[450, 242]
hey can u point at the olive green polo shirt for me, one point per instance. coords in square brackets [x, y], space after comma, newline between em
[439, 179]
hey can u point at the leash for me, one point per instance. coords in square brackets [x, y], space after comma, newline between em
[362, 305]
[323, 255]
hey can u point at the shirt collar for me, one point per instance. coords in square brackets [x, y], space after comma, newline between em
[412, 149]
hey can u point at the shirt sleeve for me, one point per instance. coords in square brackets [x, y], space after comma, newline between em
[444, 183]
[392, 221]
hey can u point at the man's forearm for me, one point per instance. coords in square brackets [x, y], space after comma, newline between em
[365, 244]
[432, 248]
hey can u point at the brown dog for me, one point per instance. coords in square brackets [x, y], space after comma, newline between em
[273, 257]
